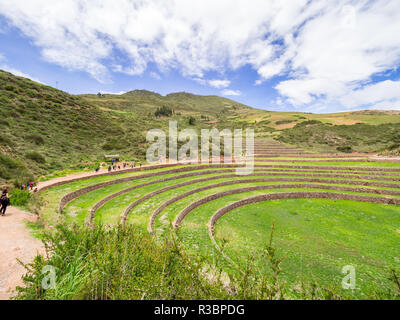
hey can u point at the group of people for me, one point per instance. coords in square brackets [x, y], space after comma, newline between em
[124, 165]
[4, 202]
[29, 186]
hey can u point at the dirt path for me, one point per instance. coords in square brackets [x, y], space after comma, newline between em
[43, 184]
[82, 174]
[15, 242]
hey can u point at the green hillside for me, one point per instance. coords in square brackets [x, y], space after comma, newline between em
[382, 138]
[143, 102]
[45, 129]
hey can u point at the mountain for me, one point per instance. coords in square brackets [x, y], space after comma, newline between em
[143, 102]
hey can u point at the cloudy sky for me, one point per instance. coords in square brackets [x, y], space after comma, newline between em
[305, 55]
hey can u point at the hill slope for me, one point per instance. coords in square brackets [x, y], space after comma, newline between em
[186, 104]
[44, 129]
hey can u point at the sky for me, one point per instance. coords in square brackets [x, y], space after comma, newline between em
[286, 55]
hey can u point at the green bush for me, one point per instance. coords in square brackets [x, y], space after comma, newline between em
[163, 111]
[10, 88]
[35, 156]
[4, 140]
[346, 149]
[284, 121]
[19, 197]
[12, 168]
[307, 123]
[192, 121]
[35, 138]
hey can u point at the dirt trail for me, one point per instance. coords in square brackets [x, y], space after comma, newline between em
[43, 184]
[71, 176]
[16, 243]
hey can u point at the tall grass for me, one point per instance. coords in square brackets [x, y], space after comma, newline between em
[124, 262]
[19, 197]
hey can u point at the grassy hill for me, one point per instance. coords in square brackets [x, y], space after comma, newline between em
[382, 138]
[44, 129]
[216, 109]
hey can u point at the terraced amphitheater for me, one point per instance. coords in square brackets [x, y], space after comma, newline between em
[328, 210]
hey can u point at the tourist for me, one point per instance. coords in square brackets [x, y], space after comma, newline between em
[4, 201]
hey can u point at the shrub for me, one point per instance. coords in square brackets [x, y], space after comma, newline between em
[12, 168]
[346, 149]
[19, 197]
[4, 123]
[163, 111]
[284, 121]
[10, 88]
[4, 140]
[35, 156]
[192, 121]
[35, 138]
[307, 123]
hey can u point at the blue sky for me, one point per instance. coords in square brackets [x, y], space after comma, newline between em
[312, 56]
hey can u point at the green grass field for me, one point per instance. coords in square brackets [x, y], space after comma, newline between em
[316, 237]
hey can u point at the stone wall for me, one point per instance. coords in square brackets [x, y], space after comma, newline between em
[75, 194]
[295, 195]
[200, 202]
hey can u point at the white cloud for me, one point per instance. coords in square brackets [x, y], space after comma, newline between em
[229, 92]
[337, 52]
[380, 95]
[219, 83]
[194, 37]
[116, 93]
[326, 50]
[155, 75]
[216, 83]
[200, 81]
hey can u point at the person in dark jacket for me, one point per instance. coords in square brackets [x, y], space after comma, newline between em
[4, 201]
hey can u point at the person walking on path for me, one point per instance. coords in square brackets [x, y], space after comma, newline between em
[4, 201]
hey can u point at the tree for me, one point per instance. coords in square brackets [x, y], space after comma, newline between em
[163, 111]
[192, 121]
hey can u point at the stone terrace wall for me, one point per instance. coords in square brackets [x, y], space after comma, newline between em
[194, 205]
[296, 195]
[200, 202]
[75, 194]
